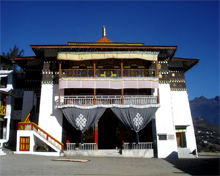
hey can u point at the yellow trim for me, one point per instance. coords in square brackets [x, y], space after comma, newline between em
[180, 130]
[26, 120]
[107, 44]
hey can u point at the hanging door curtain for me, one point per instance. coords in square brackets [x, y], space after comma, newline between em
[83, 119]
[135, 118]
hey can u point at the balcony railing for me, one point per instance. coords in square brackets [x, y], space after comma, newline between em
[78, 100]
[108, 99]
[108, 72]
[139, 146]
[140, 99]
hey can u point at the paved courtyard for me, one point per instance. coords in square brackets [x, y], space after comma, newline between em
[14, 164]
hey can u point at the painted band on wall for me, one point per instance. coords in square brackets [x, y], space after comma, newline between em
[151, 56]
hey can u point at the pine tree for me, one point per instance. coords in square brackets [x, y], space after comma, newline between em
[11, 55]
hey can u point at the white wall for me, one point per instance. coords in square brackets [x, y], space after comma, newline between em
[182, 116]
[50, 118]
[165, 124]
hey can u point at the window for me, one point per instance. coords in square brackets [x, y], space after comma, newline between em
[162, 136]
[18, 103]
[3, 82]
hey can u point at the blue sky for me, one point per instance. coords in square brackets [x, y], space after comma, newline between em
[193, 26]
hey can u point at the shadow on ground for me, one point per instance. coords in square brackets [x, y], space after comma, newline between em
[196, 166]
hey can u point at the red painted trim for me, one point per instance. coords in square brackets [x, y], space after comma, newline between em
[102, 46]
[24, 58]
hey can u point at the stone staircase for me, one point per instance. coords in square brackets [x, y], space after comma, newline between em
[185, 153]
[108, 152]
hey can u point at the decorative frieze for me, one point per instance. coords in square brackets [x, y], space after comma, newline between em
[49, 82]
[31, 70]
[178, 80]
[50, 72]
[164, 82]
[178, 89]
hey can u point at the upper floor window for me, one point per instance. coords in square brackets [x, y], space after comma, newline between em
[3, 81]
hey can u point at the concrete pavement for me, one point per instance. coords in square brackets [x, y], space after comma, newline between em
[31, 165]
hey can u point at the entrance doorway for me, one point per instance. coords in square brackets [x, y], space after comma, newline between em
[109, 132]
[181, 140]
[112, 132]
[24, 143]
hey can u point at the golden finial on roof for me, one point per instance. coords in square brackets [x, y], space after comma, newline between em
[103, 31]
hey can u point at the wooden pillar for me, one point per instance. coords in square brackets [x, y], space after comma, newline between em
[94, 68]
[94, 75]
[60, 75]
[158, 96]
[157, 74]
[94, 96]
[156, 69]
[122, 75]
[60, 71]
[122, 68]
[122, 96]
[96, 133]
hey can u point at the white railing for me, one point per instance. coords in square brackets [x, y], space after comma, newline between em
[140, 99]
[108, 99]
[77, 99]
[79, 146]
[139, 146]
[48, 138]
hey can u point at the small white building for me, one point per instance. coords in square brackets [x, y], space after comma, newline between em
[106, 96]
[7, 82]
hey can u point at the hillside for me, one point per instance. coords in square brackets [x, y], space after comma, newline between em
[207, 109]
[207, 135]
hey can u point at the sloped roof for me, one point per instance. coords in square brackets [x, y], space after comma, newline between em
[104, 39]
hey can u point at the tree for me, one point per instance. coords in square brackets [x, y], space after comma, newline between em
[12, 54]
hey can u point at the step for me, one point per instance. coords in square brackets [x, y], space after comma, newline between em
[108, 152]
[185, 153]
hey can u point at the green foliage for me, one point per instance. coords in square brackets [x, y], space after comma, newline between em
[10, 56]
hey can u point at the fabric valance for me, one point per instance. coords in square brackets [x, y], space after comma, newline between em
[151, 56]
[109, 83]
[108, 106]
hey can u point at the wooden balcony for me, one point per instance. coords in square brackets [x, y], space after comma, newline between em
[108, 73]
[108, 99]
